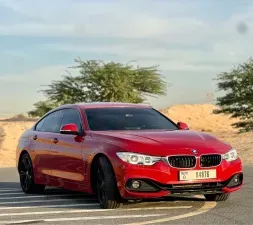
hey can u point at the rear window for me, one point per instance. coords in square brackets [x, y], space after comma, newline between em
[102, 119]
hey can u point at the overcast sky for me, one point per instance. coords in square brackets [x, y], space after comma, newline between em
[192, 41]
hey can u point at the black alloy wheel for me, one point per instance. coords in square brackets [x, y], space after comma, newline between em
[26, 176]
[106, 186]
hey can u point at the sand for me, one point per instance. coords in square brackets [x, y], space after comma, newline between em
[198, 117]
[9, 135]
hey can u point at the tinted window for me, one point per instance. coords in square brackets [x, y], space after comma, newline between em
[127, 119]
[40, 124]
[72, 116]
[52, 122]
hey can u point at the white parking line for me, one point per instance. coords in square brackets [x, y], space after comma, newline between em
[82, 218]
[49, 206]
[39, 201]
[43, 196]
[90, 211]
[13, 193]
[205, 208]
[10, 190]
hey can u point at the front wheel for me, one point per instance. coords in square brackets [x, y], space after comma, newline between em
[106, 186]
[26, 176]
[217, 197]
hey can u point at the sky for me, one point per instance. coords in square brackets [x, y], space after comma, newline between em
[191, 41]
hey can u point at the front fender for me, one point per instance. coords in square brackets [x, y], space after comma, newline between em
[96, 150]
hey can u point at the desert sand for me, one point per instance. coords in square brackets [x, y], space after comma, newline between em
[198, 117]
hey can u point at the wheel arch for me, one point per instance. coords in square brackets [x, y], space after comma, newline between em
[92, 170]
[20, 155]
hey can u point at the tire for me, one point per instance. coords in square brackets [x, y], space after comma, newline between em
[106, 186]
[217, 197]
[26, 176]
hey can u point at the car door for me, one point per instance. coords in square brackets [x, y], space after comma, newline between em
[40, 145]
[68, 166]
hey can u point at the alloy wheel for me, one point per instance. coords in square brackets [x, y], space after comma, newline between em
[101, 187]
[25, 173]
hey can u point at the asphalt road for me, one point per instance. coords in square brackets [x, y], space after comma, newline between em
[64, 207]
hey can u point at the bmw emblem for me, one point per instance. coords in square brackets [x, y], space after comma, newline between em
[194, 151]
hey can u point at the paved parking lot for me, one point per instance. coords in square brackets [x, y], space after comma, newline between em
[65, 207]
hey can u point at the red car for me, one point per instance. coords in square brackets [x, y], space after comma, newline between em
[123, 151]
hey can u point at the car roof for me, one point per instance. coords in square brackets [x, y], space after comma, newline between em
[92, 105]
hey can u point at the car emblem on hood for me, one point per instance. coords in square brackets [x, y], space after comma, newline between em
[194, 151]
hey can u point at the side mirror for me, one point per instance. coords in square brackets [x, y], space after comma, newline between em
[69, 129]
[182, 126]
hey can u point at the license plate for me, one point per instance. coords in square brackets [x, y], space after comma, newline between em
[197, 174]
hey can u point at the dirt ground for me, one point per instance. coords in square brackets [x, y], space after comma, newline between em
[198, 117]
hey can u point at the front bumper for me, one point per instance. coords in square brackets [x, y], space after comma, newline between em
[162, 180]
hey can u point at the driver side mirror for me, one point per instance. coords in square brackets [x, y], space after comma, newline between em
[70, 128]
[182, 126]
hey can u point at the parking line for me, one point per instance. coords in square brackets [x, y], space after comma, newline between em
[10, 190]
[44, 200]
[82, 218]
[49, 193]
[90, 210]
[42, 196]
[49, 206]
[205, 208]
[13, 193]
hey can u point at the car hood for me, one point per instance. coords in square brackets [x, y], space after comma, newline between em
[164, 142]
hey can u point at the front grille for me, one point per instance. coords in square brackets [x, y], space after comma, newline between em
[210, 160]
[182, 161]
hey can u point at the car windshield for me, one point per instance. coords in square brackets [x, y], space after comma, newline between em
[102, 119]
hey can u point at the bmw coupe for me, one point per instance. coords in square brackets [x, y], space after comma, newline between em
[123, 151]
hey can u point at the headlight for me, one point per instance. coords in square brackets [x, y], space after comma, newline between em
[138, 159]
[231, 155]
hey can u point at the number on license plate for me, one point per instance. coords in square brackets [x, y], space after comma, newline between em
[197, 174]
[202, 174]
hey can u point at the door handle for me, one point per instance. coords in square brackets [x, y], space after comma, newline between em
[55, 140]
[35, 137]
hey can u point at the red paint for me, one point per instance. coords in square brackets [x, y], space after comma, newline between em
[69, 128]
[182, 126]
[67, 162]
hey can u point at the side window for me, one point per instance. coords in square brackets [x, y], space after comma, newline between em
[40, 124]
[72, 116]
[52, 122]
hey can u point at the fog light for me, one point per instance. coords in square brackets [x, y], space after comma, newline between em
[136, 184]
[236, 180]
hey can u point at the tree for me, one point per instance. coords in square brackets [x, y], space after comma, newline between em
[41, 108]
[103, 82]
[238, 100]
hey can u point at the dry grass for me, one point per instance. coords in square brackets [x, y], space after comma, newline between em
[19, 117]
[198, 117]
